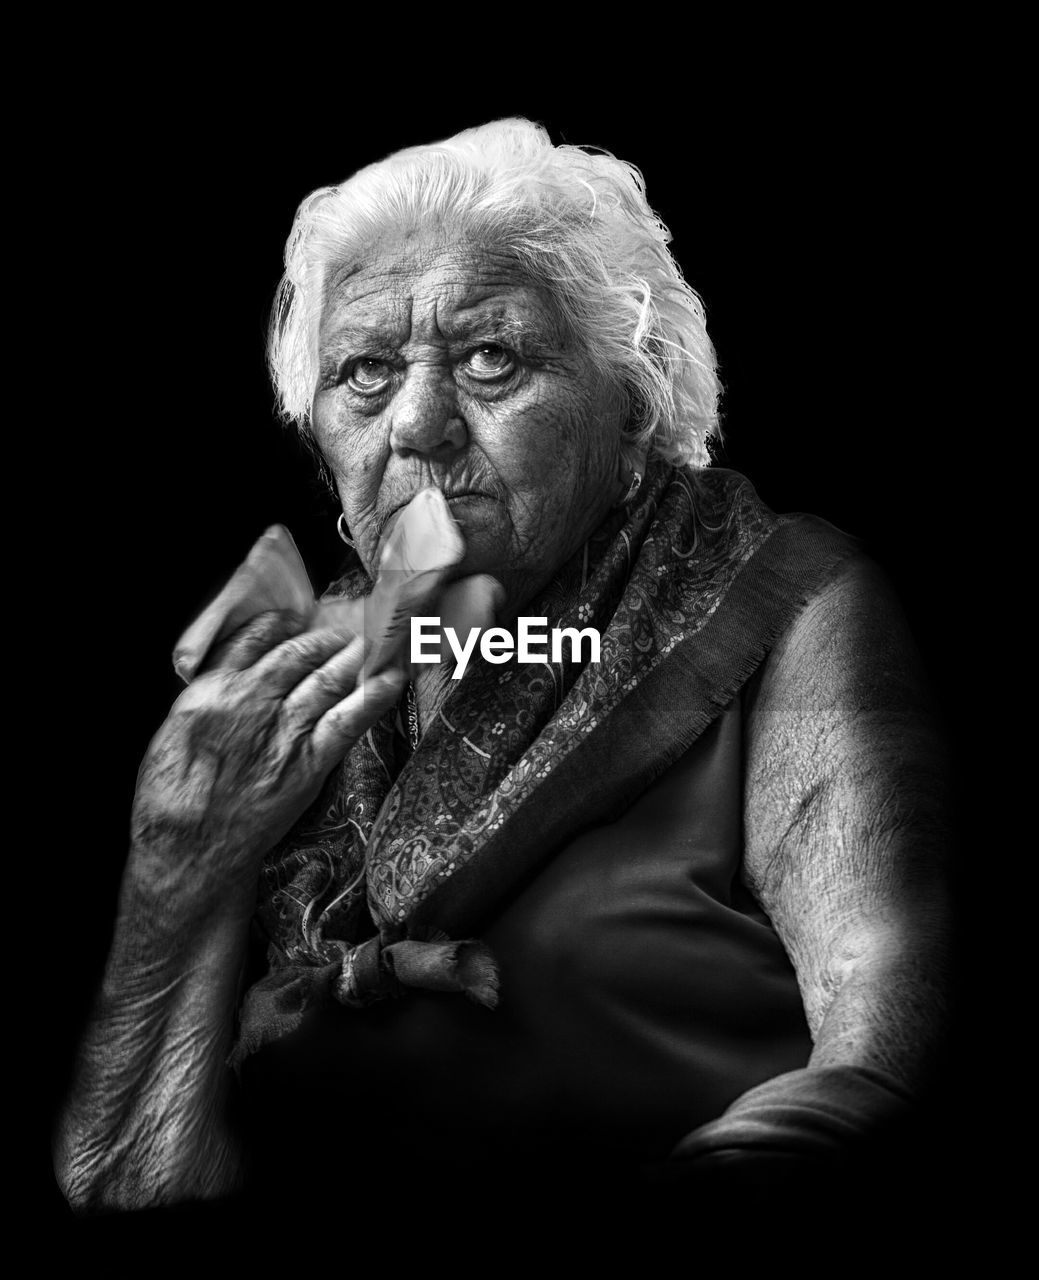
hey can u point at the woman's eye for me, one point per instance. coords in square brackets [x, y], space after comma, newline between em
[489, 361]
[368, 376]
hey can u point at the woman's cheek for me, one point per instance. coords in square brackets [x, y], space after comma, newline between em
[535, 431]
[574, 442]
[354, 449]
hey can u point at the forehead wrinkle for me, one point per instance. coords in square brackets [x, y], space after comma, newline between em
[377, 293]
[395, 254]
[338, 277]
[386, 317]
[464, 289]
[459, 292]
[493, 315]
[515, 310]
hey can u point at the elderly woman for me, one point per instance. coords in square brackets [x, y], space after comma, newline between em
[675, 910]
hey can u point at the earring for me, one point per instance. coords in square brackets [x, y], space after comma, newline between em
[633, 488]
[343, 531]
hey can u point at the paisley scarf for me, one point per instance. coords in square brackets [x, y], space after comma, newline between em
[404, 850]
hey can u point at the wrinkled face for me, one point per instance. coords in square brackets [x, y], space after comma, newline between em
[440, 365]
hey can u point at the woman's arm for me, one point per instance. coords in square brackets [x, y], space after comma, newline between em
[847, 828]
[244, 751]
[145, 1122]
[846, 835]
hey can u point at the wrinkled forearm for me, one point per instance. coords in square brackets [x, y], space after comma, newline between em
[878, 1035]
[145, 1121]
[888, 1011]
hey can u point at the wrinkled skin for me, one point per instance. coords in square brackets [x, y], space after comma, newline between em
[245, 746]
[439, 365]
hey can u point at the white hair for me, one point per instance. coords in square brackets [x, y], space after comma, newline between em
[576, 222]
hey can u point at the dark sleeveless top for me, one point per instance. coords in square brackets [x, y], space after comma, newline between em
[645, 992]
[642, 989]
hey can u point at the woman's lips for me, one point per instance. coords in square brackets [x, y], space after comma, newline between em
[454, 501]
[470, 497]
[474, 510]
[463, 495]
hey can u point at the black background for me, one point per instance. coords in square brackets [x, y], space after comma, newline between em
[810, 214]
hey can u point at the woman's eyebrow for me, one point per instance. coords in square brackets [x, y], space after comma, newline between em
[530, 330]
[355, 337]
[489, 325]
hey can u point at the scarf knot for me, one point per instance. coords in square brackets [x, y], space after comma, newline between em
[380, 967]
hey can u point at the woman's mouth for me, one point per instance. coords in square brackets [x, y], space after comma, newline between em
[456, 499]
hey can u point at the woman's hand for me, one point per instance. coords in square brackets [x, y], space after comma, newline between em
[244, 750]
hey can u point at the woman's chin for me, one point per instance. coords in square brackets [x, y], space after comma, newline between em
[487, 531]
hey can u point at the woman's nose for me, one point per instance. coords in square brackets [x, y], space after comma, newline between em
[425, 415]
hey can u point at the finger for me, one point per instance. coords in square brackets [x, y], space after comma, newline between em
[329, 684]
[282, 668]
[341, 726]
[253, 640]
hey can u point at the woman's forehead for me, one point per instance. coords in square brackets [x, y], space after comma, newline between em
[461, 285]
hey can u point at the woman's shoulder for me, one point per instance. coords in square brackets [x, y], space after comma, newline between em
[847, 656]
[836, 621]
